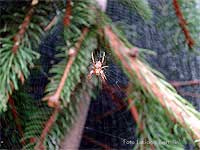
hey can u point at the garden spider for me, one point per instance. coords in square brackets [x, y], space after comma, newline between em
[97, 68]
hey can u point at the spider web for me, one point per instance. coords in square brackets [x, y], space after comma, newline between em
[109, 122]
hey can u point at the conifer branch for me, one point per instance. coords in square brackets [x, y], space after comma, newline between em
[68, 13]
[183, 24]
[52, 23]
[47, 127]
[19, 36]
[54, 99]
[140, 123]
[134, 113]
[16, 117]
[185, 83]
[104, 146]
[57, 122]
[196, 95]
[17, 41]
[177, 107]
[108, 113]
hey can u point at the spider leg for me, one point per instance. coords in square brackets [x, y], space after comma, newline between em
[104, 67]
[103, 76]
[90, 74]
[93, 58]
[103, 57]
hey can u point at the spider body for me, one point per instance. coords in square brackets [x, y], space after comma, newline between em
[97, 68]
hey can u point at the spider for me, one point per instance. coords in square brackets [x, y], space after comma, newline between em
[97, 68]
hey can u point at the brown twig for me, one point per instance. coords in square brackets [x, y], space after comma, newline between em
[16, 117]
[17, 40]
[135, 116]
[106, 147]
[152, 84]
[196, 95]
[53, 100]
[68, 12]
[108, 113]
[134, 111]
[19, 36]
[48, 125]
[185, 83]
[51, 24]
[183, 24]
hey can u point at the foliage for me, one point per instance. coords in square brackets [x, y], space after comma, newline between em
[25, 105]
[148, 88]
[72, 33]
[15, 65]
[170, 24]
[78, 68]
[64, 119]
[67, 115]
[158, 129]
[73, 84]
